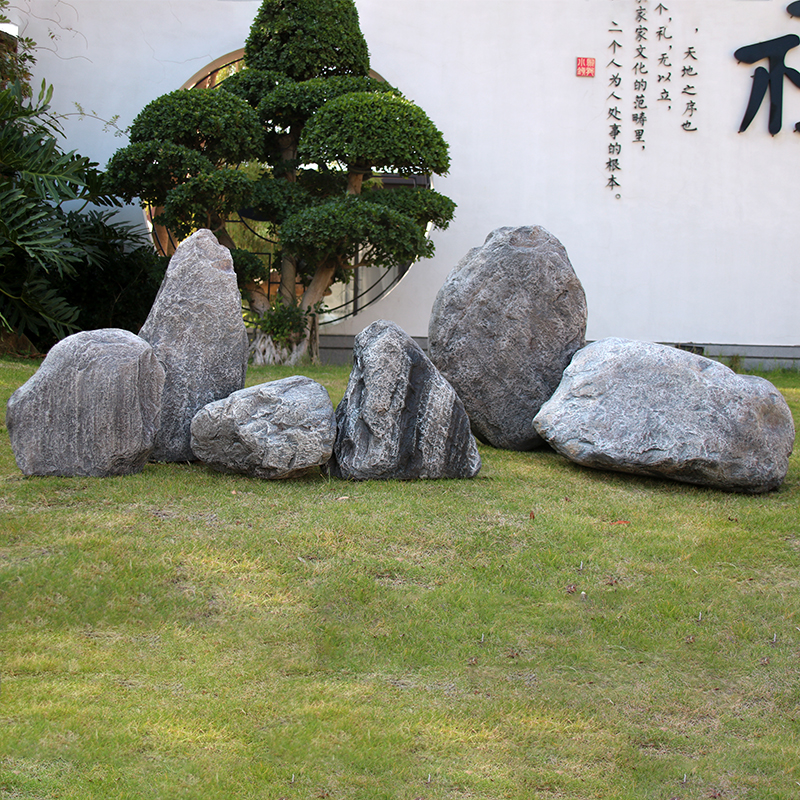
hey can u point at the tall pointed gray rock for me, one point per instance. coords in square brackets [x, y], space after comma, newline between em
[197, 332]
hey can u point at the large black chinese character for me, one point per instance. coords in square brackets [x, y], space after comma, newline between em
[775, 50]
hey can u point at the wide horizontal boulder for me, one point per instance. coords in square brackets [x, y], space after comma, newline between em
[196, 329]
[503, 328]
[655, 410]
[274, 430]
[92, 408]
[399, 418]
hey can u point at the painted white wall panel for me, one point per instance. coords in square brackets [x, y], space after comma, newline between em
[701, 244]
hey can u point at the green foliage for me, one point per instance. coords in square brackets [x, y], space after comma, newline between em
[205, 200]
[116, 282]
[424, 206]
[149, 170]
[182, 146]
[277, 199]
[285, 324]
[36, 248]
[249, 268]
[30, 157]
[304, 39]
[184, 149]
[219, 125]
[293, 103]
[252, 85]
[350, 228]
[380, 131]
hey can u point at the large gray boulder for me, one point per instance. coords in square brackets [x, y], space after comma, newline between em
[399, 417]
[198, 334]
[653, 410]
[92, 408]
[275, 430]
[503, 328]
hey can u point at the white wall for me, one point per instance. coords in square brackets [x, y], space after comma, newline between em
[699, 246]
[114, 56]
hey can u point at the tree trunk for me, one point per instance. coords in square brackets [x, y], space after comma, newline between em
[354, 181]
[163, 240]
[288, 144]
[288, 286]
[223, 237]
[320, 283]
[312, 337]
[257, 298]
[355, 177]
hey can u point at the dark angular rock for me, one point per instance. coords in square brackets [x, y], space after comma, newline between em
[198, 334]
[653, 410]
[92, 408]
[275, 430]
[503, 328]
[399, 417]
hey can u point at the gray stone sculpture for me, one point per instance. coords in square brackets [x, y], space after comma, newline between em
[198, 335]
[504, 326]
[399, 417]
[653, 410]
[92, 408]
[275, 430]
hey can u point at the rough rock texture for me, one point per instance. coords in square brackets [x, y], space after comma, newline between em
[654, 410]
[197, 332]
[274, 430]
[504, 326]
[399, 417]
[92, 408]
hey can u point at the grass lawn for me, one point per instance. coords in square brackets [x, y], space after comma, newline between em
[542, 631]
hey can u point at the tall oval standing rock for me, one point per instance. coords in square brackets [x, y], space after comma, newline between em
[197, 332]
[503, 329]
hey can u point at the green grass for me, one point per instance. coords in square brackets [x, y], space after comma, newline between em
[186, 634]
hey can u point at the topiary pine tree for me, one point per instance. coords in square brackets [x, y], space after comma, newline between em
[324, 126]
[324, 110]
